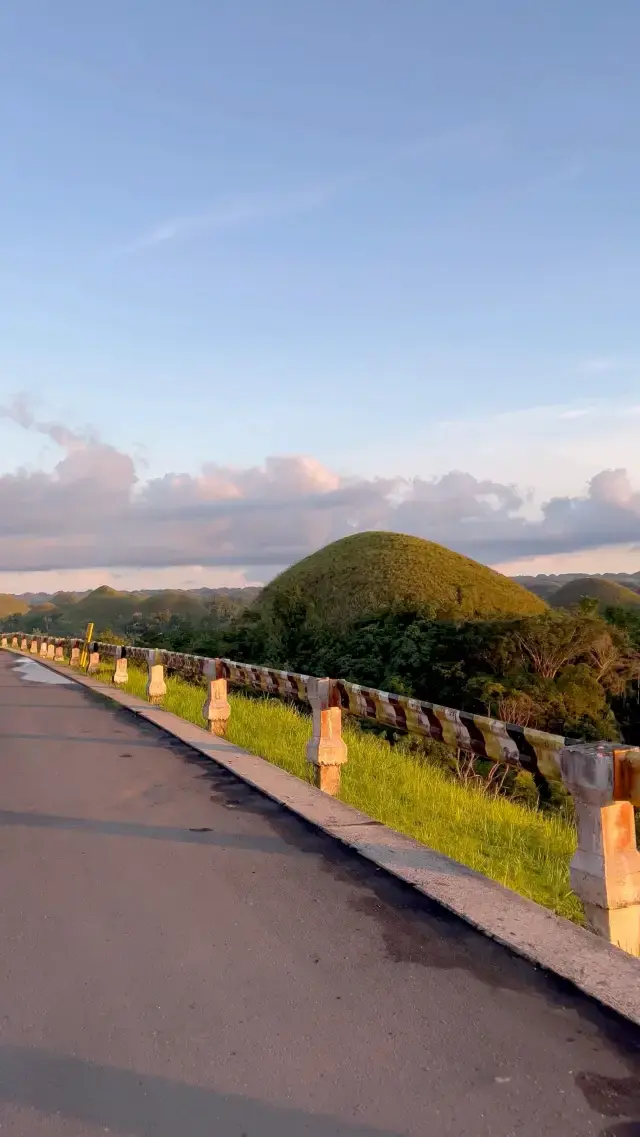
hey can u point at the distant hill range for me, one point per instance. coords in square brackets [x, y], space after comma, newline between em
[612, 589]
[107, 608]
[33, 598]
[361, 574]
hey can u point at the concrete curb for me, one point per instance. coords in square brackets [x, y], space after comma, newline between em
[593, 966]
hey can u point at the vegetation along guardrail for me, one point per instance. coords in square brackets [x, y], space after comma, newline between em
[602, 777]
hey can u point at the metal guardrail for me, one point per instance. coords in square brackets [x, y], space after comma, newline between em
[485, 737]
[603, 778]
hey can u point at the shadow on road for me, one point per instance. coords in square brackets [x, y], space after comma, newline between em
[81, 739]
[143, 1105]
[196, 836]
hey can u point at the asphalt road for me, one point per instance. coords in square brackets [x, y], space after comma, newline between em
[181, 958]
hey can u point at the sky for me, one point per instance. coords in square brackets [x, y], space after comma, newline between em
[275, 272]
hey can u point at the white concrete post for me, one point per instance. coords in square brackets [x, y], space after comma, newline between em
[120, 674]
[14, 641]
[59, 655]
[23, 644]
[605, 870]
[94, 659]
[5, 641]
[326, 750]
[156, 686]
[216, 709]
[75, 656]
[43, 649]
[51, 651]
[34, 647]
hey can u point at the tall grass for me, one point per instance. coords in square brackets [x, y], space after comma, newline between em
[522, 848]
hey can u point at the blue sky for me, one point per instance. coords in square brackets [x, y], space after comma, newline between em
[401, 238]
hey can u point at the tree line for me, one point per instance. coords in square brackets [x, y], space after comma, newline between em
[575, 673]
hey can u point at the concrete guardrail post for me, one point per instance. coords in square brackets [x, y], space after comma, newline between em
[34, 646]
[59, 654]
[156, 687]
[120, 674]
[14, 641]
[5, 641]
[23, 643]
[51, 650]
[603, 779]
[326, 750]
[75, 655]
[94, 660]
[43, 649]
[216, 709]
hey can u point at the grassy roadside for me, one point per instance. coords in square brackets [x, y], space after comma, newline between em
[523, 849]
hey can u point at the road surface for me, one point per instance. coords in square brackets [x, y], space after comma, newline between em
[179, 957]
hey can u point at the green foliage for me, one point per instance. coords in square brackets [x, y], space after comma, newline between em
[369, 573]
[626, 704]
[109, 637]
[559, 671]
[627, 620]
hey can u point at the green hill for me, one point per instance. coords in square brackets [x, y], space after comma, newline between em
[545, 589]
[606, 592]
[368, 573]
[12, 606]
[65, 599]
[177, 602]
[105, 607]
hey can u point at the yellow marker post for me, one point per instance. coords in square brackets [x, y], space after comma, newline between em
[84, 654]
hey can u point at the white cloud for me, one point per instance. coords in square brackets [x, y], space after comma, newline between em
[92, 511]
[547, 449]
[472, 141]
[233, 213]
[612, 558]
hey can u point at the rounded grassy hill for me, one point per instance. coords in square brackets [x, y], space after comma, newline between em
[368, 573]
[606, 592]
[104, 607]
[177, 602]
[12, 605]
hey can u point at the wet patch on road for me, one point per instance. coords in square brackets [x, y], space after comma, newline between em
[34, 673]
[613, 1097]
